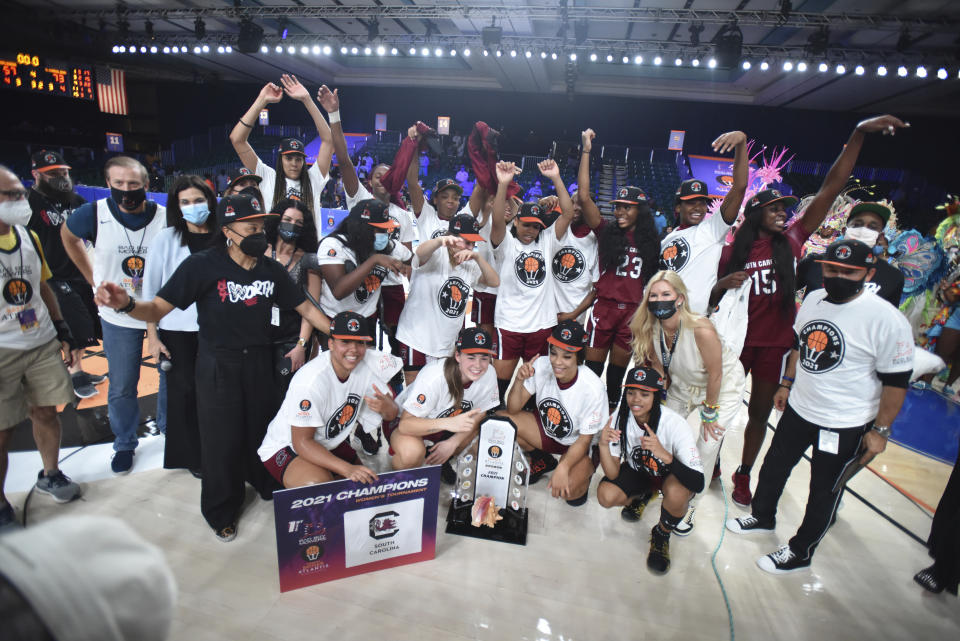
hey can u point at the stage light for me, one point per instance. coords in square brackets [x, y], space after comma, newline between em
[199, 28]
[513, 53]
[143, 49]
[823, 67]
[354, 50]
[206, 49]
[117, 49]
[678, 61]
[373, 30]
[593, 57]
[528, 54]
[746, 65]
[263, 49]
[166, 50]
[638, 60]
[453, 52]
[712, 63]
[424, 52]
[304, 49]
[438, 52]
[220, 49]
[381, 50]
[553, 56]
[250, 38]
[367, 51]
[859, 70]
[499, 53]
[764, 65]
[625, 60]
[466, 53]
[881, 71]
[291, 50]
[543, 55]
[841, 69]
[921, 72]
[573, 57]
[196, 50]
[486, 53]
[695, 62]
[316, 50]
[788, 66]
[153, 49]
[393, 51]
[902, 71]
[801, 66]
[278, 49]
[658, 60]
[942, 73]
[609, 58]
[491, 36]
[413, 51]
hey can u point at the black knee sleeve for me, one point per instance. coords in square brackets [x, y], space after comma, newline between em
[615, 374]
[668, 521]
[595, 366]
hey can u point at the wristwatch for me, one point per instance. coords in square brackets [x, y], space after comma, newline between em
[882, 430]
[302, 342]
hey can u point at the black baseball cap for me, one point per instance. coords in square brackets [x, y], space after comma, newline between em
[879, 209]
[768, 196]
[692, 188]
[645, 378]
[292, 146]
[45, 160]
[447, 183]
[473, 340]
[350, 326]
[849, 253]
[568, 335]
[630, 196]
[531, 213]
[242, 172]
[238, 207]
[465, 226]
[374, 213]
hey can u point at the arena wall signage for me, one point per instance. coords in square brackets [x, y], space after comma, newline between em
[342, 528]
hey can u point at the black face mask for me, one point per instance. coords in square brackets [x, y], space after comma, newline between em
[290, 232]
[254, 245]
[841, 289]
[129, 200]
[56, 186]
[662, 309]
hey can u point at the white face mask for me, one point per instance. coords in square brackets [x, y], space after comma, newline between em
[864, 234]
[15, 212]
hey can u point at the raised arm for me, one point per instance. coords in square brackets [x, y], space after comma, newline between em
[550, 170]
[270, 93]
[505, 173]
[297, 91]
[413, 183]
[737, 141]
[839, 173]
[330, 101]
[589, 209]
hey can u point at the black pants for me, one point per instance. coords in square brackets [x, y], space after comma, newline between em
[182, 448]
[235, 402]
[791, 439]
[944, 539]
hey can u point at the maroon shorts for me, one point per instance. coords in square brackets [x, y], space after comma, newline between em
[393, 299]
[765, 363]
[512, 345]
[484, 304]
[609, 324]
[413, 361]
[550, 446]
[433, 437]
[278, 463]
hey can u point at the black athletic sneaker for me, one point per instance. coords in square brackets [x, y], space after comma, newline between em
[579, 501]
[227, 534]
[783, 561]
[370, 444]
[927, 579]
[447, 474]
[633, 512]
[658, 560]
[750, 525]
[540, 463]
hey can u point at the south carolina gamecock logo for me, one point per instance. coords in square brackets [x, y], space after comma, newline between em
[568, 264]
[675, 255]
[645, 460]
[133, 266]
[384, 525]
[821, 347]
[530, 268]
[342, 418]
[556, 421]
[17, 291]
[353, 325]
[370, 284]
[622, 193]
[452, 297]
[50, 158]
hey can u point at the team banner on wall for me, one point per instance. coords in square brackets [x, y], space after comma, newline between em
[675, 142]
[342, 528]
[716, 172]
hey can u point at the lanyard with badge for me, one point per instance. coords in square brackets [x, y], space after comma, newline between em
[19, 292]
[666, 355]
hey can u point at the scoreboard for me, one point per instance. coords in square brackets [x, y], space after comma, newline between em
[31, 72]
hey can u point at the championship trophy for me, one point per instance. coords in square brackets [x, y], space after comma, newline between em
[490, 495]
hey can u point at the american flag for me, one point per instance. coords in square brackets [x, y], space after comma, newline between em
[111, 91]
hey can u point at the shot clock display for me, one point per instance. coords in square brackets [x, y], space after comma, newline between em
[34, 73]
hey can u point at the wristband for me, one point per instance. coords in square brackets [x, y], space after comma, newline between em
[786, 378]
[785, 386]
[64, 335]
[245, 124]
[334, 116]
[709, 406]
[126, 309]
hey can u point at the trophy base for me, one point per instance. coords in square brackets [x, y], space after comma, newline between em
[511, 529]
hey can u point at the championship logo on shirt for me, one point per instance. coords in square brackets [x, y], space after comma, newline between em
[395, 232]
[452, 297]
[465, 406]
[675, 255]
[293, 192]
[17, 291]
[821, 347]
[133, 266]
[530, 268]
[343, 416]
[370, 284]
[556, 421]
[438, 233]
[644, 460]
[568, 264]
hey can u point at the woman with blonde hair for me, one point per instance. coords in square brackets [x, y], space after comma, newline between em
[700, 370]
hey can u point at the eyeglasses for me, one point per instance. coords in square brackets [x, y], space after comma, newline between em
[14, 194]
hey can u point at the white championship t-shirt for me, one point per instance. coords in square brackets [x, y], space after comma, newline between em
[575, 268]
[674, 434]
[429, 223]
[318, 398]
[486, 252]
[525, 299]
[405, 233]
[269, 175]
[429, 396]
[567, 413]
[694, 253]
[842, 347]
[433, 314]
[364, 299]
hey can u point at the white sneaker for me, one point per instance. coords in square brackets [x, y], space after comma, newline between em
[685, 526]
[748, 525]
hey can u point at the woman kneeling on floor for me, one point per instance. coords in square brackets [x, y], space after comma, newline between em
[647, 448]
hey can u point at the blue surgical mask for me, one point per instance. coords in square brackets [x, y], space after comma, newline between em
[196, 213]
[380, 241]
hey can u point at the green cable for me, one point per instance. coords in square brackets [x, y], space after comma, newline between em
[713, 558]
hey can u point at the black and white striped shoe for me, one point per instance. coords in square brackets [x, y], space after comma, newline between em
[783, 561]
